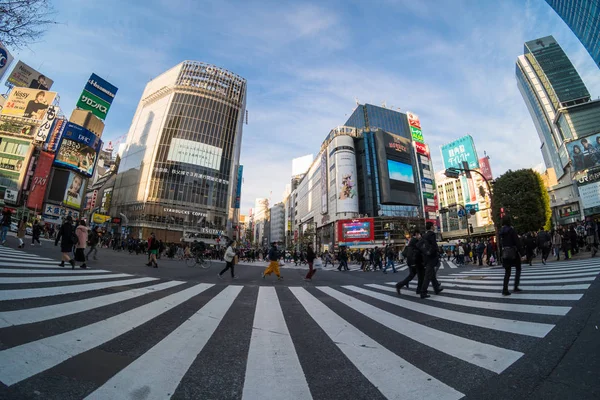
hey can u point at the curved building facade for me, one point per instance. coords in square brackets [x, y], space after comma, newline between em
[178, 171]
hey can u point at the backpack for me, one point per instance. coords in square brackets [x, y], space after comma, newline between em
[424, 247]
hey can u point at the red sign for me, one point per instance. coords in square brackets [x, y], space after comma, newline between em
[433, 221]
[356, 230]
[39, 182]
[431, 209]
[486, 169]
[422, 148]
[413, 120]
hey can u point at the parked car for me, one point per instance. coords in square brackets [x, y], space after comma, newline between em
[29, 231]
[14, 227]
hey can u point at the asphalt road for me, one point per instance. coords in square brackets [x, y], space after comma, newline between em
[122, 330]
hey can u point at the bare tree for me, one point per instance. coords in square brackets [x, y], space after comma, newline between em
[22, 22]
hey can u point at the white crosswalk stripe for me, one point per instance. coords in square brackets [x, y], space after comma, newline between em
[359, 325]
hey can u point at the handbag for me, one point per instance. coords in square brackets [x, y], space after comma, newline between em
[510, 253]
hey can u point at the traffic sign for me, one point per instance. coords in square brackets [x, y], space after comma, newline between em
[461, 213]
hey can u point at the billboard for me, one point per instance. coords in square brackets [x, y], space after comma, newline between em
[54, 213]
[26, 77]
[93, 103]
[5, 60]
[238, 190]
[14, 159]
[100, 218]
[590, 195]
[101, 88]
[417, 135]
[486, 168]
[396, 171]
[324, 184]
[39, 180]
[195, 153]
[356, 230]
[57, 132]
[585, 152]
[74, 193]
[28, 103]
[78, 150]
[46, 125]
[413, 120]
[422, 148]
[462, 149]
[345, 167]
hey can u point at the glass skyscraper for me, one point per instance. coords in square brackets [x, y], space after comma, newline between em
[178, 172]
[583, 17]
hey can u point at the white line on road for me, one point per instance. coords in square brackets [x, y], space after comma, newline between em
[499, 324]
[20, 261]
[372, 359]
[483, 355]
[22, 362]
[491, 281]
[159, 371]
[534, 288]
[43, 279]
[33, 264]
[572, 272]
[12, 271]
[273, 370]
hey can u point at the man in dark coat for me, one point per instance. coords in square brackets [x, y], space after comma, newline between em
[431, 260]
[414, 259]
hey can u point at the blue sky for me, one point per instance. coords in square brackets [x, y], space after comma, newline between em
[451, 62]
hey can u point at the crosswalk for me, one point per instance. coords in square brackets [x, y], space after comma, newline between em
[144, 337]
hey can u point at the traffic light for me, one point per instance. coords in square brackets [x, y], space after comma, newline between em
[470, 228]
[452, 173]
[466, 169]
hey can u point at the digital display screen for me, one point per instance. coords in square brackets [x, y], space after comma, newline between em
[401, 171]
[356, 230]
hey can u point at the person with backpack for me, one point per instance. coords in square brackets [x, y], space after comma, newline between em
[414, 259]
[390, 255]
[480, 250]
[431, 259]
[511, 254]
[94, 238]
[68, 239]
[82, 239]
[544, 242]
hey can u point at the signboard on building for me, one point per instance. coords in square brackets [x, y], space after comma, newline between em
[422, 148]
[413, 120]
[46, 125]
[396, 171]
[53, 213]
[101, 88]
[195, 153]
[463, 149]
[5, 59]
[590, 195]
[585, 152]
[11, 196]
[356, 230]
[486, 168]
[345, 169]
[324, 184]
[14, 159]
[238, 189]
[78, 150]
[74, 192]
[28, 103]
[100, 218]
[26, 77]
[57, 131]
[93, 103]
[40, 179]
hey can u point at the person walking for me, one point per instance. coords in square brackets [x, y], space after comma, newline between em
[82, 238]
[153, 247]
[67, 238]
[310, 258]
[544, 244]
[5, 226]
[273, 263]
[414, 259]
[511, 254]
[529, 247]
[343, 258]
[431, 259]
[36, 232]
[390, 255]
[377, 259]
[21, 232]
[591, 236]
[229, 258]
[557, 243]
[480, 251]
[94, 238]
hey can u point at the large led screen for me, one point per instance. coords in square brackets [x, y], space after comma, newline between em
[356, 230]
[396, 171]
[400, 171]
[78, 150]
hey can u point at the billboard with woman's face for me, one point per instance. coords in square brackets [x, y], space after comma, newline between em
[78, 150]
[585, 153]
[74, 192]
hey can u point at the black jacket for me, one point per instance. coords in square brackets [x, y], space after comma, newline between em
[429, 237]
[414, 256]
[65, 233]
[508, 237]
[310, 255]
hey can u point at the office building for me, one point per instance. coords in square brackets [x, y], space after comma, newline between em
[179, 171]
[583, 17]
[277, 223]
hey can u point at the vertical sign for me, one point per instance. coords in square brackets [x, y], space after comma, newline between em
[238, 190]
[486, 168]
[324, 183]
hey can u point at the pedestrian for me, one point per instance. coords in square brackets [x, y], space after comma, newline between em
[390, 255]
[431, 259]
[94, 238]
[511, 254]
[35, 233]
[480, 250]
[273, 263]
[377, 259]
[68, 239]
[591, 236]
[343, 258]
[5, 224]
[229, 258]
[82, 239]
[461, 254]
[414, 259]
[21, 232]
[556, 243]
[529, 247]
[153, 246]
[310, 257]
[544, 243]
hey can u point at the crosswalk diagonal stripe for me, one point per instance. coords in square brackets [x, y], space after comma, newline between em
[491, 281]
[31, 265]
[526, 328]
[483, 355]
[24, 256]
[372, 359]
[24, 361]
[160, 369]
[515, 296]
[403, 268]
[521, 308]
[21, 294]
[272, 360]
[530, 276]
[534, 288]
[525, 272]
[20, 260]
[44, 313]
[43, 279]
[28, 271]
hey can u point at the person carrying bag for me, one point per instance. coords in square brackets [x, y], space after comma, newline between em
[511, 254]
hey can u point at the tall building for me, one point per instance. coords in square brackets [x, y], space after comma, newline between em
[277, 223]
[583, 17]
[179, 170]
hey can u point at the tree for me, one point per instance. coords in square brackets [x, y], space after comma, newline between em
[523, 196]
[22, 22]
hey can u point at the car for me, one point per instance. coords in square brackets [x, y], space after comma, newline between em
[14, 227]
[29, 231]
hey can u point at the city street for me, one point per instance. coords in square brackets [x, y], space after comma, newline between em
[121, 330]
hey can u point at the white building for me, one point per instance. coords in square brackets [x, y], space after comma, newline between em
[277, 223]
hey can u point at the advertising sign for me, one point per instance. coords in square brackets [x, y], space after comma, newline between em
[74, 192]
[78, 150]
[195, 153]
[57, 131]
[93, 103]
[463, 149]
[417, 135]
[585, 153]
[470, 207]
[2, 101]
[100, 218]
[430, 209]
[10, 196]
[46, 125]
[26, 77]
[486, 169]
[356, 230]
[238, 190]
[28, 103]
[53, 213]
[428, 195]
[590, 195]
[5, 60]
[413, 120]
[427, 181]
[345, 168]
[422, 148]
[324, 184]
[40, 179]
[396, 171]
[14, 158]
[101, 88]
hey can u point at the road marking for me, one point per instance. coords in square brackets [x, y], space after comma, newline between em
[273, 370]
[159, 371]
[521, 308]
[534, 288]
[573, 272]
[34, 265]
[483, 355]
[372, 359]
[491, 281]
[37, 314]
[19, 261]
[28, 271]
[499, 324]
[22, 362]
[20, 294]
[44, 279]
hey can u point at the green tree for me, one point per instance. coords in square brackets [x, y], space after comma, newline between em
[523, 196]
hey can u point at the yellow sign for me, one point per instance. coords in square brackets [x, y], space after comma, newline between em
[100, 219]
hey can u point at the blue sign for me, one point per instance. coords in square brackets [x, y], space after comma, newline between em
[78, 150]
[461, 213]
[101, 88]
[463, 149]
[470, 207]
[427, 181]
[238, 191]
